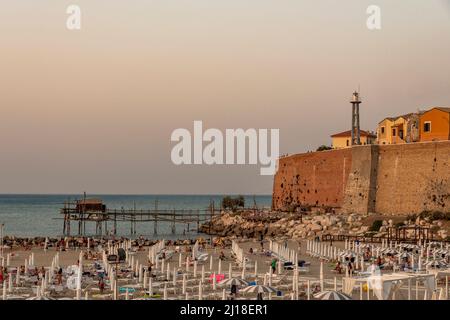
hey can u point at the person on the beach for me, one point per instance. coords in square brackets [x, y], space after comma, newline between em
[2, 277]
[274, 265]
[59, 276]
[338, 267]
[233, 290]
[250, 251]
[42, 273]
[101, 285]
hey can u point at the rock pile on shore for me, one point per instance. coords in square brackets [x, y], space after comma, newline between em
[301, 226]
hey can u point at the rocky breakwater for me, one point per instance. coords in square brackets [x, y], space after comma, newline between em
[301, 226]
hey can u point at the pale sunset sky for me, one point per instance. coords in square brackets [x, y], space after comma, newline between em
[93, 109]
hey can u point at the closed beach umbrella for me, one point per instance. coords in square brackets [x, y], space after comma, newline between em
[165, 291]
[4, 290]
[210, 262]
[140, 274]
[174, 277]
[332, 295]
[203, 273]
[230, 271]
[219, 267]
[256, 269]
[150, 285]
[145, 281]
[195, 268]
[321, 275]
[10, 283]
[180, 260]
[243, 269]
[270, 276]
[214, 281]
[224, 294]
[200, 291]
[184, 284]
[168, 271]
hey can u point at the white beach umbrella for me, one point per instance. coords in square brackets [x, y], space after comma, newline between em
[180, 260]
[40, 298]
[224, 294]
[259, 289]
[230, 271]
[436, 263]
[219, 268]
[210, 263]
[332, 295]
[15, 297]
[234, 281]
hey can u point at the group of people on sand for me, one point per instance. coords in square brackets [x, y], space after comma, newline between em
[39, 273]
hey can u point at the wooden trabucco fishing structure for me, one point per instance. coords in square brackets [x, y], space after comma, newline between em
[93, 210]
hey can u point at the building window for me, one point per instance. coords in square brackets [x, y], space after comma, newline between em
[400, 133]
[348, 142]
[394, 132]
[382, 130]
[427, 126]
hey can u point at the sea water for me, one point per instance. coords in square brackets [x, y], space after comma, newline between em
[38, 215]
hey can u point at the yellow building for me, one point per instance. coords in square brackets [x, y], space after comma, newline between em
[435, 124]
[344, 139]
[401, 129]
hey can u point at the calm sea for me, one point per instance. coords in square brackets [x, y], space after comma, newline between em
[37, 215]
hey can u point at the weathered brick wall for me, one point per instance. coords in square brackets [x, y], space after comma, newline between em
[316, 178]
[413, 177]
[360, 191]
[388, 179]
